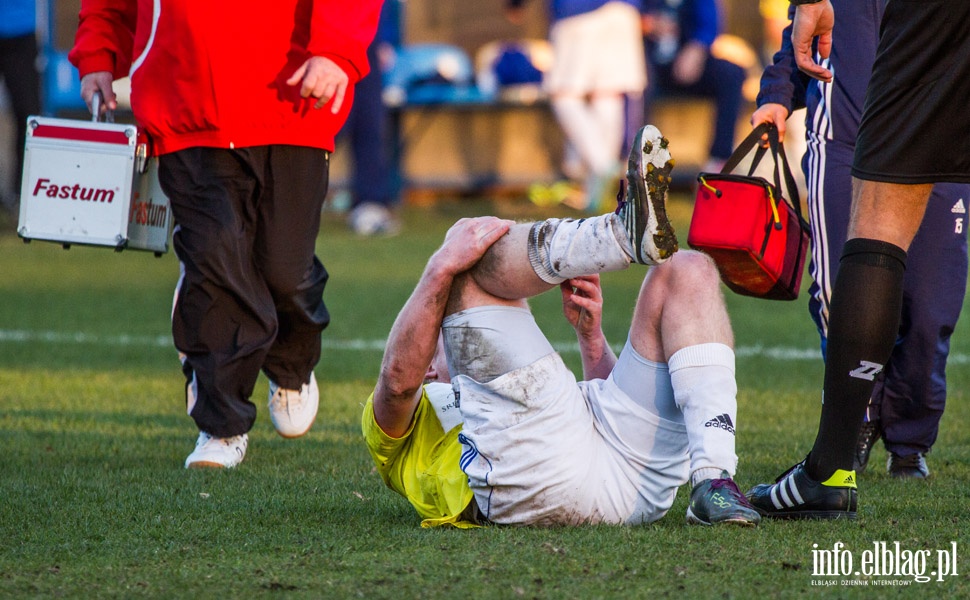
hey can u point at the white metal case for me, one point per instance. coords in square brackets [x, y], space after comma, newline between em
[91, 183]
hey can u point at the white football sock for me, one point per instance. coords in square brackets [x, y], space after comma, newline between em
[705, 390]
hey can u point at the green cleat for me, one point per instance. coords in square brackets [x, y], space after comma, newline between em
[717, 501]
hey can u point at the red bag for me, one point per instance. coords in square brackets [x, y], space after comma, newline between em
[757, 239]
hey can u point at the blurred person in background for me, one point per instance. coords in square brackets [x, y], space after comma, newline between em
[374, 192]
[21, 79]
[679, 35]
[597, 60]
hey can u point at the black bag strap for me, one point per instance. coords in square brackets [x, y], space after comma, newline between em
[782, 169]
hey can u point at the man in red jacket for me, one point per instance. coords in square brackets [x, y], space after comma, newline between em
[241, 101]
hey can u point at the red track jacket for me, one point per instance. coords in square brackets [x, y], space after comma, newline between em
[213, 72]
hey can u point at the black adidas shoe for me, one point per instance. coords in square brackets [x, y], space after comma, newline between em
[717, 501]
[868, 436]
[795, 495]
[911, 466]
[643, 206]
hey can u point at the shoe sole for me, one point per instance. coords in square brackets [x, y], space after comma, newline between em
[906, 472]
[650, 182]
[206, 464]
[909, 475]
[815, 515]
[740, 522]
[292, 436]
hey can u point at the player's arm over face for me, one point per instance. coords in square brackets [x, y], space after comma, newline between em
[413, 339]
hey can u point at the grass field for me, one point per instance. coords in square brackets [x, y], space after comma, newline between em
[94, 501]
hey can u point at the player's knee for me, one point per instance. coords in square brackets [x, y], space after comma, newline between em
[691, 272]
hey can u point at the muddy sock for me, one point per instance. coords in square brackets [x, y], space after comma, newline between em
[560, 249]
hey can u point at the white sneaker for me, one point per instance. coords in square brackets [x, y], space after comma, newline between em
[217, 453]
[373, 219]
[293, 411]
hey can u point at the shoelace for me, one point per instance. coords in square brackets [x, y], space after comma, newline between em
[621, 201]
[731, 488]
[286, 399]
[870, 433]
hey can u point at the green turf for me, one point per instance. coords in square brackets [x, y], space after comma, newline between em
[94, 501]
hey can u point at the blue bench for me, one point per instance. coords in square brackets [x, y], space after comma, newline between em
[430, 80]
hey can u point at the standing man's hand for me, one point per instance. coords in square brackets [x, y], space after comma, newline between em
[99, 81]
[775, 114]
[813, 20]
[321, 78]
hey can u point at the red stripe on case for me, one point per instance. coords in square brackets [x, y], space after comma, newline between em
[80, 134]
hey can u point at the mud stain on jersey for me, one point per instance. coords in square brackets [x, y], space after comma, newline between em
[472, 352]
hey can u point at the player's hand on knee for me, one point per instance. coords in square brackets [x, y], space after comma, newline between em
[468, 240]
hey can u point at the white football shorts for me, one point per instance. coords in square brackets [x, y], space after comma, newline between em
[540, 448]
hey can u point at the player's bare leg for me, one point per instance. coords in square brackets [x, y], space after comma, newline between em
[863, 324]
[681, 320]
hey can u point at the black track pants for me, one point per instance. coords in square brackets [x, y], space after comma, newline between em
[250, 296]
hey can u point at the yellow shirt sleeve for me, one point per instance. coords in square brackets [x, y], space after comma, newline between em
[422, 465]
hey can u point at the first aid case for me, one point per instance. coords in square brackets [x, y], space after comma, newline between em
[91, 183]
[757, 238]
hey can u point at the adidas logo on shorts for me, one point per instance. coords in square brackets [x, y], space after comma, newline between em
[723, 422]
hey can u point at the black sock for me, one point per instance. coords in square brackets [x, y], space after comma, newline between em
[863, 325]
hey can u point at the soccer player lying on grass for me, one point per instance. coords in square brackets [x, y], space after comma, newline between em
[498, 430]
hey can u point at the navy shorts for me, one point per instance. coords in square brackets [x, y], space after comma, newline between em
[916, 121]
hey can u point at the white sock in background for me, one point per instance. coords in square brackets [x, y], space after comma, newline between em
[583, 126]
[609, 112]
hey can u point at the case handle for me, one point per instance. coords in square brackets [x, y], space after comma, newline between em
[753, 142]
[109, 115]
